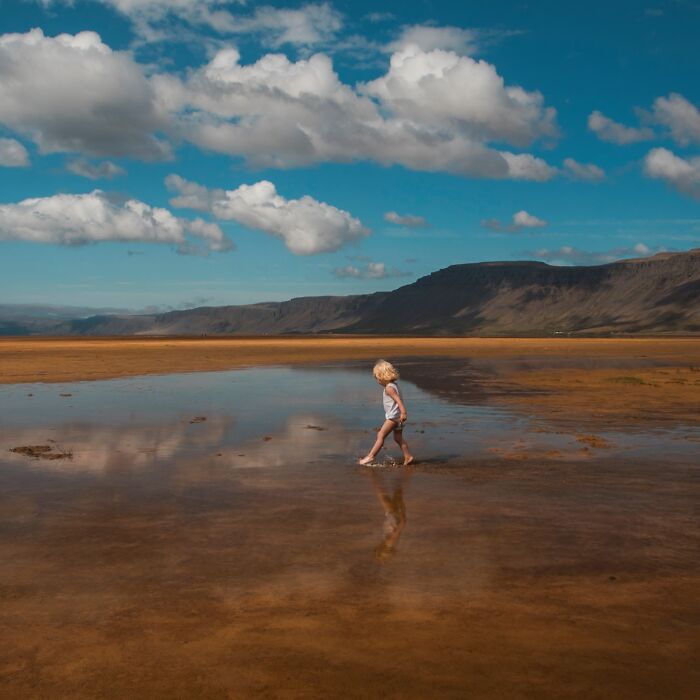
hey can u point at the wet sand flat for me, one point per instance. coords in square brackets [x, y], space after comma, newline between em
[208, 534]
[77, 359]
[622, 395]
[509, 591]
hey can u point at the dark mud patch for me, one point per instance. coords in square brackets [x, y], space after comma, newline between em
[594, 441]
[42, 452]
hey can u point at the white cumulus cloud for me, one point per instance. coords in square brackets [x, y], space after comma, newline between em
[608, 130]
[427, 38]
[521, 220]
[191, 195]
[105, 170]
[73, 93]
[433, 111]
[525, 166]
[77, 219]
[678, 117]
[13, 154]
[583, 171]
[568, 255]
[681, 173]
[310, 24]
[442, 88]
[681, 117]
[306, 225]
[372, 270]
[409, 220]
[152, 20]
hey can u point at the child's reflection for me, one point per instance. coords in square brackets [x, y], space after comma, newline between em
[394, 513]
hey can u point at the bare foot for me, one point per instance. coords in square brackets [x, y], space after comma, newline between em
[408, 461]
[366, 460]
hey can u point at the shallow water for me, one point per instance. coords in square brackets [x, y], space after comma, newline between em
[277, 416]
[247, 554]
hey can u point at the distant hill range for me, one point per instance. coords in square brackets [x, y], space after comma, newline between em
[656, 295]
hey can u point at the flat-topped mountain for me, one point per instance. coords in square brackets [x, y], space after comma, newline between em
[659, 294]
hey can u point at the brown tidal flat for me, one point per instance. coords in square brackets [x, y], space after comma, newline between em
[78, 359]
[532, 583]
[210, 535]
[662, 394]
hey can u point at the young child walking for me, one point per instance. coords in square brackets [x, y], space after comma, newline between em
[394, 412]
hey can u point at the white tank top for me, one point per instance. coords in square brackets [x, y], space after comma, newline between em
[391, 408]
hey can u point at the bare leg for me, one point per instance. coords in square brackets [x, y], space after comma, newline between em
[394, 510]
[384, 500]
[407, 456]
[386, 428]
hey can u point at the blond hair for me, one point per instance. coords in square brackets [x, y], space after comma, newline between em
[385, 372]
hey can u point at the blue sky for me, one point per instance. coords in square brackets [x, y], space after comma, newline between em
[181, 153]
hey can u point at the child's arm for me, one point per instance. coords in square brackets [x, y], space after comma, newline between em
[395, 395]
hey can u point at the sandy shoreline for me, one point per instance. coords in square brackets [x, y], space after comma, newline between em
[80, 359]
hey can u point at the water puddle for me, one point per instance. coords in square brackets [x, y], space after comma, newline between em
[278, 416]
[215, 530]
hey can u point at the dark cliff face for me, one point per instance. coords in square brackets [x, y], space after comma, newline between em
[652, 295]
[455, 299]
[302, 315]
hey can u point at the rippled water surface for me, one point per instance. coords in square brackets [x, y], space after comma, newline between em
[210, 535]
